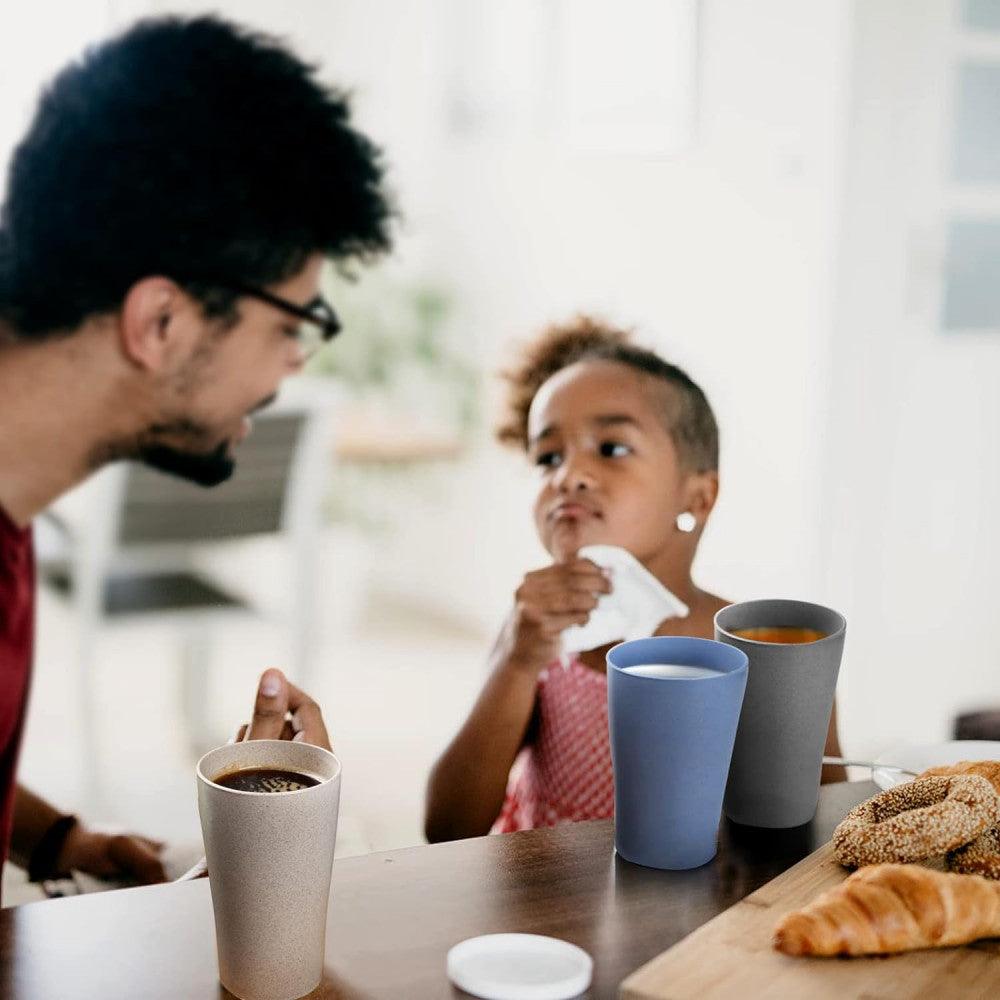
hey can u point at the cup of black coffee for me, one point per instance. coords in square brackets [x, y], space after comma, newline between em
[269, 820]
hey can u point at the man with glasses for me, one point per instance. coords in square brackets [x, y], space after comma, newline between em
[165, 221]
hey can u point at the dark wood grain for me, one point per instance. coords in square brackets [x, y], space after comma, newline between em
[394, 916]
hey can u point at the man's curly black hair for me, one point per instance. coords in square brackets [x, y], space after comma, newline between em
[189, 148]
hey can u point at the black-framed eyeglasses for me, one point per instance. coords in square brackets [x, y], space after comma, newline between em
[320, 323]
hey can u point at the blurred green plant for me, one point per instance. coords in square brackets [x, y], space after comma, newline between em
[395, 346]
[396, 356]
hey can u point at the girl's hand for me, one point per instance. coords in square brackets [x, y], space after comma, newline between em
[547, 602]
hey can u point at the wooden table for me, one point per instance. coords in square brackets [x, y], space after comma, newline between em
[393, 916]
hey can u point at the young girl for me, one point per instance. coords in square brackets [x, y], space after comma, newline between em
[626, 447]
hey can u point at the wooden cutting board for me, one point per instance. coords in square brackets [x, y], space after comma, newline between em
[731, 957]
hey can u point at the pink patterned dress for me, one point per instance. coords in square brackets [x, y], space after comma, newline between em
[564, 774]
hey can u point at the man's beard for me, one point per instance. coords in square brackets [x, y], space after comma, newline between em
[204, 468]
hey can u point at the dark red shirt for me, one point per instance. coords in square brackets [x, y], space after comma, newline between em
[17, 630]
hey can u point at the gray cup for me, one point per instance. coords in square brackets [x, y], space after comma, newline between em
[778, 755]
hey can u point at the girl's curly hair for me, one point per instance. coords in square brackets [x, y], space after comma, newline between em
[687, 414]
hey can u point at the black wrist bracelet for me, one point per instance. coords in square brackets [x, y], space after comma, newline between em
[46, 853]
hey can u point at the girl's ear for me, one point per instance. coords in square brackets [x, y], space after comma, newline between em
[701, 490]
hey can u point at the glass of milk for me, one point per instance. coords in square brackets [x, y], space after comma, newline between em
[673, 708]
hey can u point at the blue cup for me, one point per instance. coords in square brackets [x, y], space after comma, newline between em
[671, 743]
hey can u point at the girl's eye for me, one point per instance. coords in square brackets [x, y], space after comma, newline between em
[548, 459]
[614, 449]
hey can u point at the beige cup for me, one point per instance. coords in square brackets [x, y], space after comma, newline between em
[270, 858]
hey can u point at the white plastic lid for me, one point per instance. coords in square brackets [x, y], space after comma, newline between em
[520, 967]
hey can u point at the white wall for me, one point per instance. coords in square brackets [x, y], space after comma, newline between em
[722, 256]
[914, 474]
[774, 258]
[45, 36]
[781, 260]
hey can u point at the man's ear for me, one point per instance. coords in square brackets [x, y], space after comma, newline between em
[701, 491]
[151, 325]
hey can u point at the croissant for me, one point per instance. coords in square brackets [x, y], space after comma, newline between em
[889, 908]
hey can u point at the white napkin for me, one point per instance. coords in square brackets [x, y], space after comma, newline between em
[638, 602]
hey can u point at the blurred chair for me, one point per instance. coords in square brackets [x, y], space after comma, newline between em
[126, 545]
[983, 724]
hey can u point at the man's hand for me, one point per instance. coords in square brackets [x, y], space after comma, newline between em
[283, 712]
[126, 857]
[280, 712]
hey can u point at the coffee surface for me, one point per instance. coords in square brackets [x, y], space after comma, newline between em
[265, 779]
[780, 634]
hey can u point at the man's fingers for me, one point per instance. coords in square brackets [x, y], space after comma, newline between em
[241, 733]
[270, 708]
[307, 719]
[135, 858]
[276, 698]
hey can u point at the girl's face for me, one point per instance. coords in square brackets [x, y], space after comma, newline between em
[607, 466]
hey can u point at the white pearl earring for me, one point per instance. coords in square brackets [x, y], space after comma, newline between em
[686, 522]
